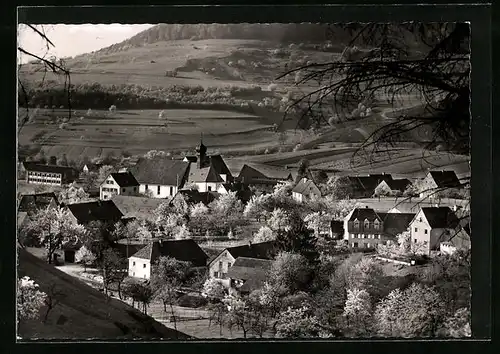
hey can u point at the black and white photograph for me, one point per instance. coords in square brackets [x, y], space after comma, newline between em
[243, 181]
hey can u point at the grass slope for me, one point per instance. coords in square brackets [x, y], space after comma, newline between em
[88, 313]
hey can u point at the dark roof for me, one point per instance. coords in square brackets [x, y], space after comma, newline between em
[254, 272]
[337, 226]
[161, 171]
[246, 262]
[101, 210]
[441, 217]
[263, 250]
[205, 174]
[193, 196]
[127, 250]
[445, 179]
[396, 223]
[306, 187]
[182, 250]
[191, 158]
[124, 179]
[136, 207]
[398, 184]
[370, 182]
[33, 166]
[217, 162]
[264, 172]
[33, 202]
[364, 213]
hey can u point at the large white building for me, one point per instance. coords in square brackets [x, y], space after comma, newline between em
[49, 174]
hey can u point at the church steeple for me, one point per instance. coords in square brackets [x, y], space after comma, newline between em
[201, 152]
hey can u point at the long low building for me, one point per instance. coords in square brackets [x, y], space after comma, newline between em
[54, 175]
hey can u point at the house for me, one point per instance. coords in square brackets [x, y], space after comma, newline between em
[32, 203]
[140, 263]
[209, 173]
[336, 229]
[219, 266]
[366, 228]
[304, 190]
[49, 174]
[135, 207]
[160, 176]
[101, 210]
[435, 180]
[392, 187]
[193, 196]
[91, 167]
[248, 274]
[118, 183]
[255, 174]
[432, 226]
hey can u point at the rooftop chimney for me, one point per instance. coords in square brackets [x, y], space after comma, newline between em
[249, 243]
[366, 206]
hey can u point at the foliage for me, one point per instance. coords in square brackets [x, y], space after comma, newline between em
[226, 204]
[290, 271]
[198, 209]
[416, 311]
[457, 325]
[111, 267]
[85, 257]
[213, 289]
[72, 194]
[182, 233]
[298, 239]
[264, 234]
[279, 221]
[357, 311]
[53, 228]
[319, 222]
[339, 187]
[365, 275]
[297, 323]
[29, 299]
[104, 172]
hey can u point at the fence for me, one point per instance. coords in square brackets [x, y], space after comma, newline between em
[393, 261]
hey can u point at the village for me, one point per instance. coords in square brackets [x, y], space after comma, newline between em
[218, 238]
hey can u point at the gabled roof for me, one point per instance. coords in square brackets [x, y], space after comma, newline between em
[398, 184]
[33, 202]
[217, 162]
[246, 262]
[254, 272]
[182, 250]
[306, 187]
[262, 250]
[124, 179]
[191, 158]
[445, 179]
[362, 214]
[265, 172]
[33, 166]
[205, 174]
[396, 223]
[136, 207]
[441, 217]
[101, 210]
[162, 171]
[370, 182]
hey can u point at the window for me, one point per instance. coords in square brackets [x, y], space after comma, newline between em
[228, 264]
[367, 245]
[376, 224]
[216, 274]
[355, 244]
[220, 265]
[123, 190]
[133, 263]
[133, 274]
[356, 224]
[135, 189]
[420, 219]
[224, 276]
[146, 187]
[425, 231]
[209, 188]
[416, 229]
[144, 265]
[171, 190]
[158, 190]
[415, 240]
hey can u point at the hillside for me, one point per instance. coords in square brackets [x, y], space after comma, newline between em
[84, 312]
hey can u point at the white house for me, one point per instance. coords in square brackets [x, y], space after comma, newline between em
[304, 190]
[140, 263]
[118, 183]
[220, 265]
[438, 179]
[160, 177]
[433, 226]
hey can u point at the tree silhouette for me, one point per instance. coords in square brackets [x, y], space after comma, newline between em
[428, 61]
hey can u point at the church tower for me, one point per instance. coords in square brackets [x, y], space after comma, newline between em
[201, 153]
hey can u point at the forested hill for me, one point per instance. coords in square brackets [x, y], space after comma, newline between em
[293, 32]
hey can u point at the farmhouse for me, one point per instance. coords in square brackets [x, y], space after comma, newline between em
[253, 174]
[118, 183]
[390, 187]
[193, 196]
[140, 263]
[101, 210]
[219, 266]
[304, 190]
[134, 207]
[437, 180]
[209, 173]
[49, 174]
[32, 203]
[366, 228]
[161, 177]
[248, 274]
[434, 225]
